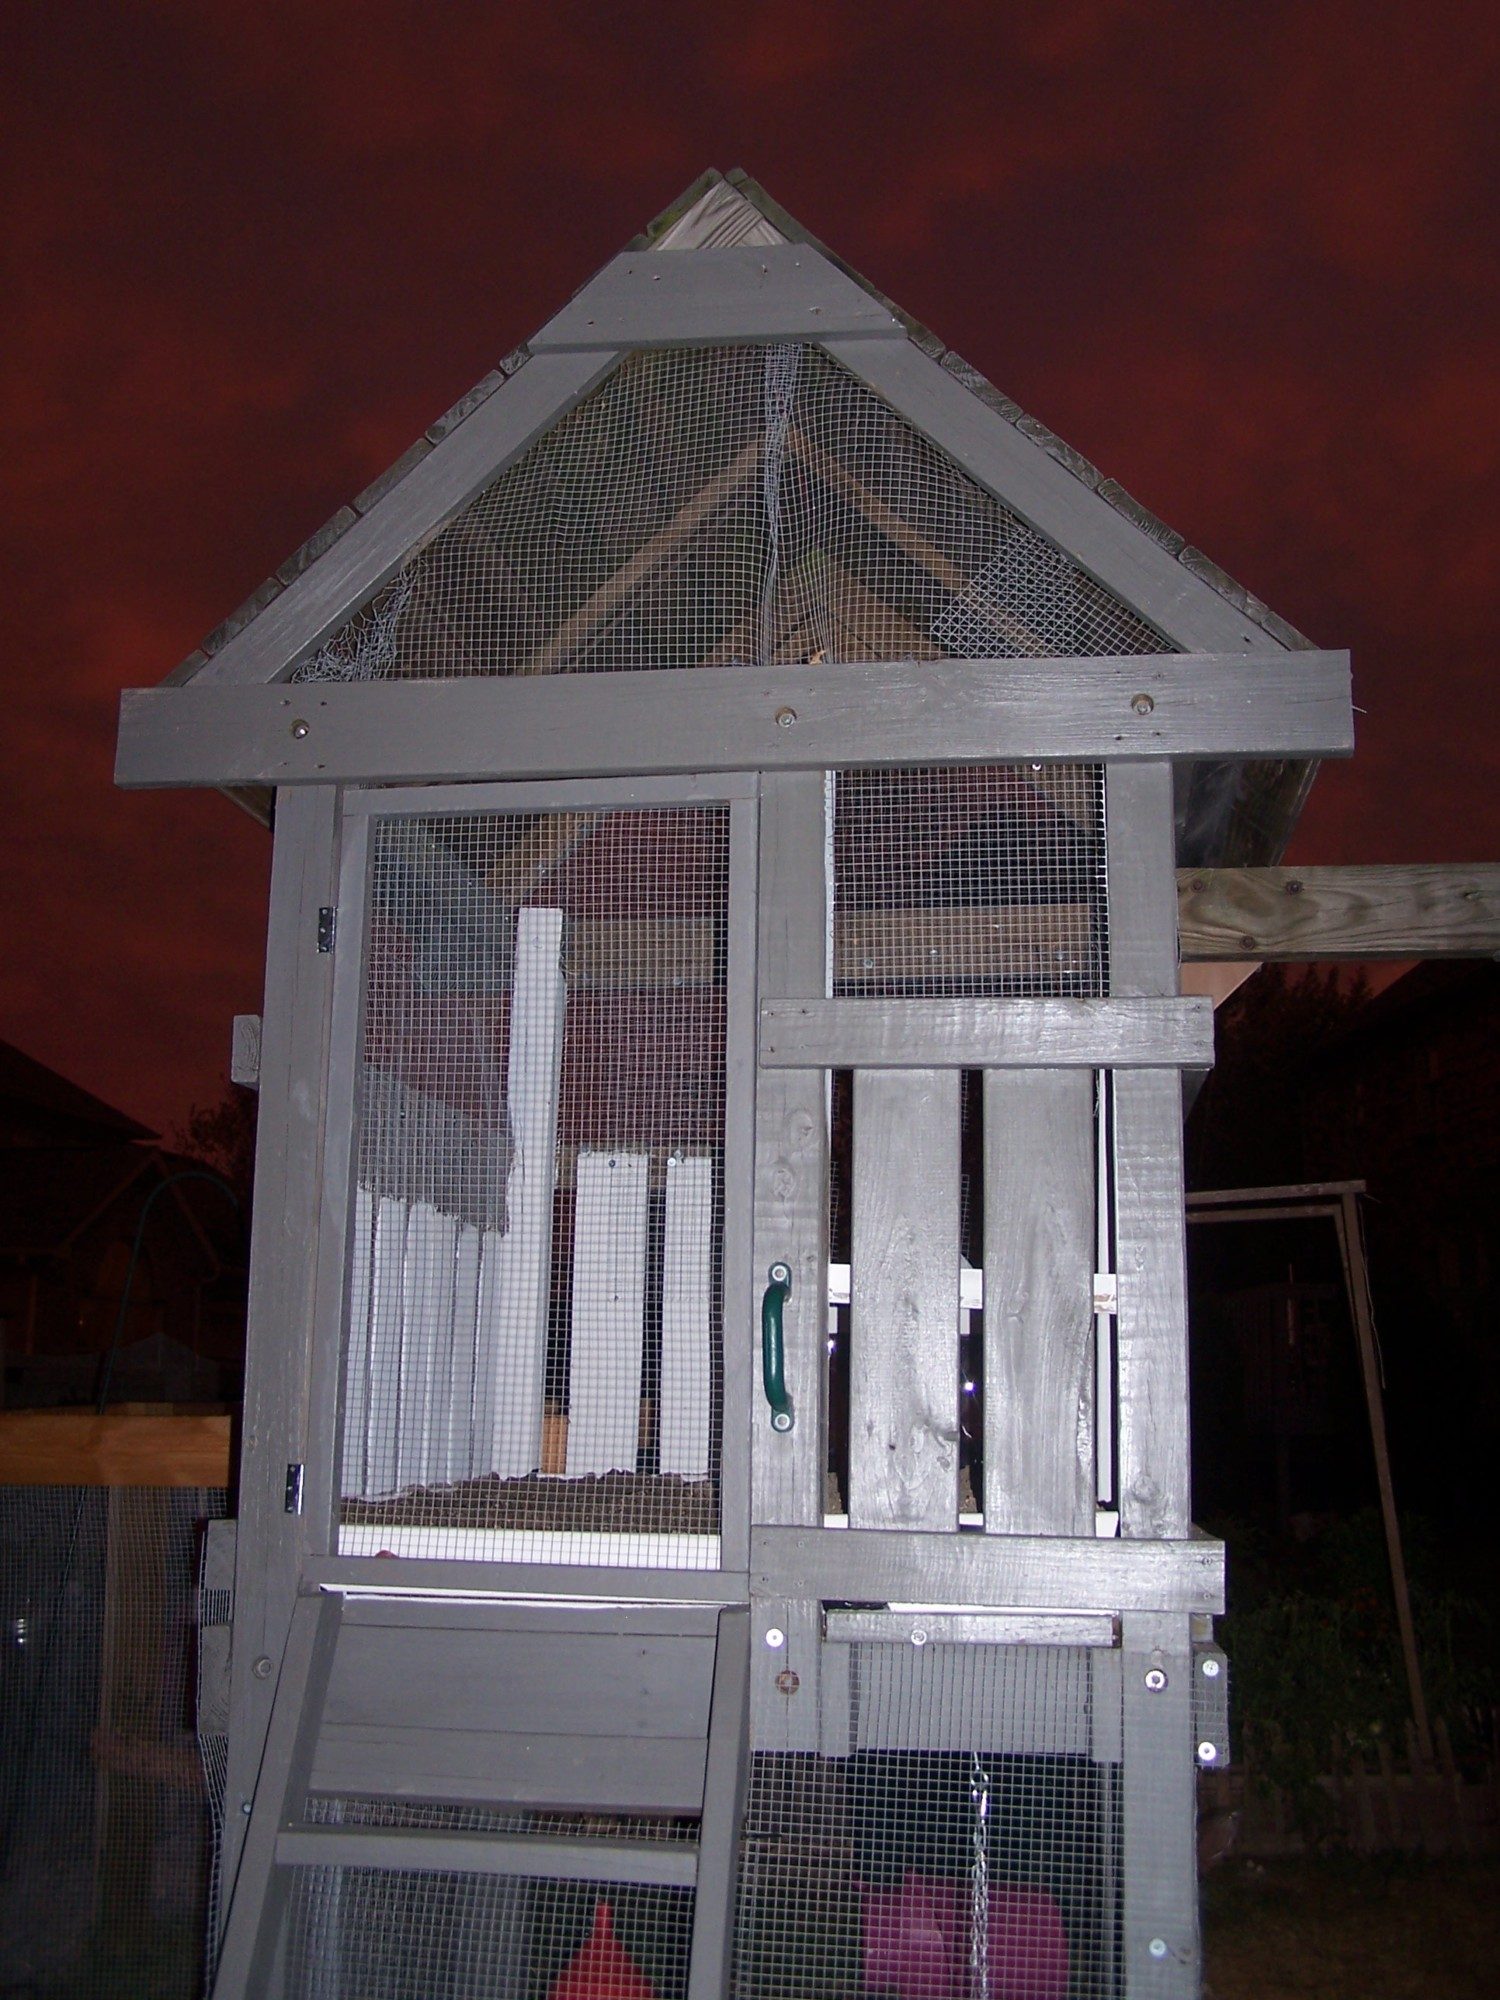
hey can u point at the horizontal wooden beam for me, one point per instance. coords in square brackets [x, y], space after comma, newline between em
[1329, 913]
[987, 1034]
[664, 1862]
[738, 719]
[1034, 1572]
[121, 1448]
[922, 1627]
[781, 291]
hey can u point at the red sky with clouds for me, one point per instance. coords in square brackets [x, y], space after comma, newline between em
[1243, 256]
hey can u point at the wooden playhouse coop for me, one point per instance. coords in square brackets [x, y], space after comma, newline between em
[714, 1502]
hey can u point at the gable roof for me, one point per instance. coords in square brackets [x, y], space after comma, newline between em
[36, 1100]
[1227, 812]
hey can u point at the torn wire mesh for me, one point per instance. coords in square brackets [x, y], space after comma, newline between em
[728, 506]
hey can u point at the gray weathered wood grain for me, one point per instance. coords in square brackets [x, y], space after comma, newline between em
[1441, 911]
[711, 719]
[976, 1034]
[1041, 1572]
[791, 1159]
[903, 1329]
[1038, 1310]
[741, 292]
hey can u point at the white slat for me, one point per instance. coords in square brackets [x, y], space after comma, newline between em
[459, 1454]
[609, 1300]
[516, 1276]
[686, 1317]
[356, 1413]
[426, 1343]
[388, 1253]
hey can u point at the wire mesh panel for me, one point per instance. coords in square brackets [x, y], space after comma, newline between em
[728, 506]
[383, 1934]
[105, 1840]
[532, 1361]
[965, 1848]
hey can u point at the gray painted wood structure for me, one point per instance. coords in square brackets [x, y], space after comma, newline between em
[637, 1685]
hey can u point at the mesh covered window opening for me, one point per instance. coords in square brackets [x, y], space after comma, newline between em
[966, 1846]
[532, 1360]
[728, 506]
[956, 882]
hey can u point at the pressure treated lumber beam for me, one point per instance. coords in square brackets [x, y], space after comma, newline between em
[120, 1448]
[1329, 913]
[808, 718]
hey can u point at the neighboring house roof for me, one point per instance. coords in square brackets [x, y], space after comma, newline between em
[1227, 812]
[36, 1099]
[50, 1194]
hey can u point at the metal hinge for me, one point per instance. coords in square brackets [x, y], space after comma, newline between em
[1106, 1292]
[294, 1489]
[327, 925]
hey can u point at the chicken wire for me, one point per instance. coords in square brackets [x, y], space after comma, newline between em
[728, 506]
[967, 1846]
[383, 1934]
[532, 1361]
[106, 1842]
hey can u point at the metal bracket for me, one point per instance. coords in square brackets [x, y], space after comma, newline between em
[327, 925]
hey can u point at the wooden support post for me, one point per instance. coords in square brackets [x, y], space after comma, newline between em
[1357, 1278]
[1160, 1871]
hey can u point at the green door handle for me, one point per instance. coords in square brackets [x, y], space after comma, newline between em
[773, 1346]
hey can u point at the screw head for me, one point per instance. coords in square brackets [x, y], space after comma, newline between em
[919, 1635]
[1142, 704]
[299, 728]
[781, 1420]
[786, 718]
[261, 1668]
[1209, 1667]
[775, 1637]
[1157, 1947]
[787, 1682]
[1208, 1753]
[1156, 1679]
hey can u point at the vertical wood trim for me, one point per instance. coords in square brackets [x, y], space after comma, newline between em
[903, 1330]
[725, 1780]
[1146, 1113]
[687, 1317]
[1151, 1323]
[791, 1155]
[609, 1303]
[1038, 1308]
[283, 1271]
[510, 1368]
[355, 1414]
[1158, 1779]
[732, 1309]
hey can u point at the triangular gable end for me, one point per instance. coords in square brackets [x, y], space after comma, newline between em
[722, 282]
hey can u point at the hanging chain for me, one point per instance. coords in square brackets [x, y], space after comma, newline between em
[979, 1881]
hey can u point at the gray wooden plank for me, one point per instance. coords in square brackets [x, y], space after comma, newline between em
[1042, 1572]
[283, 1276]
[1437, 911]
[560, 1773]
[971, 1628]
[791, 1156]
[706, 719]
[1151, 1320]
[369, 552]
[1140, 863]
[735, 1307]
[903, 1325]
[541, 1856]
[1038, 1306]
[1159, 1831]
[769, 291]
[993, 1034]
[726, 1774]
[1050, 497]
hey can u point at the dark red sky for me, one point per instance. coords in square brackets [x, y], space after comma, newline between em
[1243, 256]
